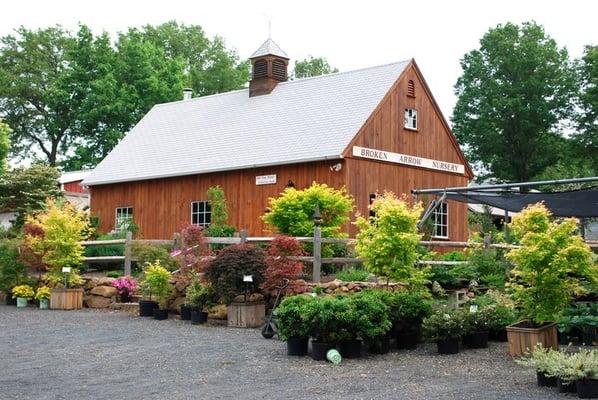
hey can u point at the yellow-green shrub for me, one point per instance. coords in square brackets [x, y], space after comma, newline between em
[42, 293]
[25, 291]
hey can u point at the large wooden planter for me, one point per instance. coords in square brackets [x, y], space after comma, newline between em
[523, 339]
[66, 299]
[246, 315]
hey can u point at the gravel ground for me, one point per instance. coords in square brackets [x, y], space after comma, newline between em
[108, 355]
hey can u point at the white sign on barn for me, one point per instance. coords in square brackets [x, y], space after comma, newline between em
[265, 179]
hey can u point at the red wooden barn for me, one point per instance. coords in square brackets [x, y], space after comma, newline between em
[370, 130]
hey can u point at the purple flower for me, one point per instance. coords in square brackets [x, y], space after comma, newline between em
[125, 285]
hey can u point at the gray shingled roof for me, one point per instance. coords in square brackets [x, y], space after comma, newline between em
[269, 47]
[304, 120]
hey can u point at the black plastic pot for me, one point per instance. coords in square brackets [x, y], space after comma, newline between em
[350, 348]
[198, 317]
[544, 380]
[185, 312]
[449, 346]
[407, 340]
[9, 300]
[160, 314]
[498, 336]
[380, 345]
[146, 308]
[319, 350]
[478, 340]
[569, 387]
[587, 388]
[125, 298]
[297, 346]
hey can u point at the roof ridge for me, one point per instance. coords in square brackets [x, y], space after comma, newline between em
[283, 83]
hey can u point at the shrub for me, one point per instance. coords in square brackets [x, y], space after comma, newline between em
[292, 317]
[107, 250]
[125, 285]
[541, 359]
[150, 253]
[326, 318]
[501, 317]
[353, 275]
[42, 293]
[25, 291]
[193, 248]
[226, 271]
[157, 282]
[292, 213]
[63, 228]
[372, 319]
[12, 271]
[278, 264]
[444, 324]
[582, 319]
[388, 240]
[478, 321]
[453, 276]
[200, 296]
[550, 264]
[219, 214]
[490, 265]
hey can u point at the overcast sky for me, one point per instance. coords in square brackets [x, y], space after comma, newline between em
[350, 34]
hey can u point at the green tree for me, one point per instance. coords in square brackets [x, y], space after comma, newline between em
[25, 190]
[587, 136]
[514, 91]
[312, 67]
[4, 146]
[219, 214]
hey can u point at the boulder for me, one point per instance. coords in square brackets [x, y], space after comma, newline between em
[218, 312]
[105, 281]
[255, 297]
[97, 302]
[181, 285]
[351, 286]
[90, 283]
[175, 306]
[105, 291]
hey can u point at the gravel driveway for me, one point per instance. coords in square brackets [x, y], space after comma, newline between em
[108, 355]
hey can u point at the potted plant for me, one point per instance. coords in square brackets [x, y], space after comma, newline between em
[501, 317]
[585, 365]
[346, 330]
[408, 310]
[293, 328]
[126, 287]
[23, 293]
[477, 326]
[199, 296]
[579, 323]
[550, 266]
[563, 369]
[12, 271]
[322, 321]
[542, 360]
[372, 321]
[445, 327]
[157, 278]
[43, 296]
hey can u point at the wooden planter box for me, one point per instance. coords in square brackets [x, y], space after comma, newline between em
[246, 315]
[522, 340]
[66, 299]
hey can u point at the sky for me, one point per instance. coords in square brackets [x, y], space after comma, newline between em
[350, 34]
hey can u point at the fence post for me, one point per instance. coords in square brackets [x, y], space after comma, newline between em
[317, 254]
[128, 240]
[243, 235]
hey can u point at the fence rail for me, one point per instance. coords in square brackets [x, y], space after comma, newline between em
[316, 259]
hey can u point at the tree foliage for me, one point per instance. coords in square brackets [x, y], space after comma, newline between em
[587, 136]
[312, 66]
[550, 266]
[4, 146]
[388, 239]
[292, 213]
[278, 264]
[219, 226]
[513, 92]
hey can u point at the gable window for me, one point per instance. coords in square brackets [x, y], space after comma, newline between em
[124, 218]
[440, 218]
[411, 88]
[411, 118]
[201, 213]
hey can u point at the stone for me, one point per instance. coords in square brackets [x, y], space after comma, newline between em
[218, 312]
[239, 298]
[331, 285]
[105, 291]
[105, 281]
[344, 289]
[255, 297]
[181, 285]
[97, 302]
[91, 283]
[175, 306]
[351, 286]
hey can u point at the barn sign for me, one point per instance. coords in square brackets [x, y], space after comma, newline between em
[398, 158]
[265, 179]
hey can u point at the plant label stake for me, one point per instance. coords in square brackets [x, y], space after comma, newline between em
[66, 271]
[247, 279]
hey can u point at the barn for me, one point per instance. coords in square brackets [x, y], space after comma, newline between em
[369, 130]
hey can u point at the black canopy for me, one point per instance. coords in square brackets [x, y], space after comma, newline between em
[576, 203]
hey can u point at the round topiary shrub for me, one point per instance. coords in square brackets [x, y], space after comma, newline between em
[226, 271]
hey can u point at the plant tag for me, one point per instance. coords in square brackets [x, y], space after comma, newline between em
[247, 278]
[473, 308]
[66, 269]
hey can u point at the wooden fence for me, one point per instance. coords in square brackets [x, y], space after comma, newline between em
[316, 259]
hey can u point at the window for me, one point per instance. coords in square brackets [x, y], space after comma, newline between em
[411, 118]
[410, 88]
[373, 197]
[440, 217]
[201, 213]
[124, 217]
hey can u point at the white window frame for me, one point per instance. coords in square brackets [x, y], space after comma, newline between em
[410, 119]
[119, 221]
[439, 212]
[205, 213]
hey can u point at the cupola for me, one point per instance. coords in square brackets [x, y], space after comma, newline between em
[269, 66]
